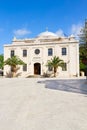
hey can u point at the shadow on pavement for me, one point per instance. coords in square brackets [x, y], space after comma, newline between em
[75, 86]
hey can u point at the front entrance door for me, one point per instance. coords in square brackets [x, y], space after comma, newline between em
[37, 68]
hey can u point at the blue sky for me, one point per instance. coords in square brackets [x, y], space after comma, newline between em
[28, 18]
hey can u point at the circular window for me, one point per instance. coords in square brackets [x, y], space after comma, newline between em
[37, 51]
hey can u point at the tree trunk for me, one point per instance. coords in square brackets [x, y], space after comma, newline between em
[13, 70]
[55, 71]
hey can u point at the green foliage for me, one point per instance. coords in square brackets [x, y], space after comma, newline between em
[83, 52]
[83, 48]
[1, 61]
[82, 66]
[13, 62]
[55, 62]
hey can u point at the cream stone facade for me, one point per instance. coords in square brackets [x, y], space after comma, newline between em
[35, 52]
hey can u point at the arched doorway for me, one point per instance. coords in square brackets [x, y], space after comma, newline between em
[37, 68]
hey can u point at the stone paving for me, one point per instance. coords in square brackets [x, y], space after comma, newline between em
[71, 85]
[43, 104]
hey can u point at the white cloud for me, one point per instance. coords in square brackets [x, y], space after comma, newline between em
[75, 29]
[21, 32]
[60, 33]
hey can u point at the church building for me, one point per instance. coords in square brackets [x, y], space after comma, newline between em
[35, 52]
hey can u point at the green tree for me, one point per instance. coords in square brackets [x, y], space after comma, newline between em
[14, 62]
[55, 62]
[83, 48]
[1, 62]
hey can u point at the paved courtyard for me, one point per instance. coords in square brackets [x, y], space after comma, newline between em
[43, 104]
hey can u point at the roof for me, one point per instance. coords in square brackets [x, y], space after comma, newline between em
[47, 34]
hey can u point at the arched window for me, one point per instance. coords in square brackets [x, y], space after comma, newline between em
[25, 67]
[50, 68]
[24, 53]
[64, 51]
[50, 52]
[12, 53]
[64, 68]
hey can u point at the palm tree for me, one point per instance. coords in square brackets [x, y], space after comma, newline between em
[14, 61]
[55, 62]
